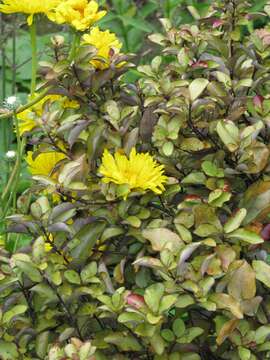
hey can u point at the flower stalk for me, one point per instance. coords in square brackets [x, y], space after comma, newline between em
[3, 127]
[26, 106]
[11, 187]
[74, 44]
[33, 36]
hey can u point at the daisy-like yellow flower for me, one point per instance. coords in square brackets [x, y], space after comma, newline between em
[44, 163]
[29, 7]
[80, 14]
[26, 121]
[139, 171]
[30, 118]
[104, 42]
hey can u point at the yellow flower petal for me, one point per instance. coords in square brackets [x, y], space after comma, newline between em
[81, 14]
[29, 7]
[31, 118]
[44, 163]
[139, 171]
[30, 19]
[104, 42]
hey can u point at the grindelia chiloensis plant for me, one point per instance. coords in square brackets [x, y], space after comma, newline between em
[148, 214]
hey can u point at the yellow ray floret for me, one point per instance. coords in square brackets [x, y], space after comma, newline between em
[26, 121]
[31, 118]
[44, 163]
[30, 7]
[80, 14]
[104, 42]
[139, 171]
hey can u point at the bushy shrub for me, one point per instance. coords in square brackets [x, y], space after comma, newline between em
[127, 261]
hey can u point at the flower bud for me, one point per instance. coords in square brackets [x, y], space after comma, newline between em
[12, 102]
[134, 300]
[57, 40]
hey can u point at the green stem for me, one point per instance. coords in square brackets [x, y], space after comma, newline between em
[125, 38]
[3, 127]
[74, 44]
[33, 34]
[11, 187]
[26, 106]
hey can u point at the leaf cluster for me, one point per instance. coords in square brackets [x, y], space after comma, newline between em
[180, 276]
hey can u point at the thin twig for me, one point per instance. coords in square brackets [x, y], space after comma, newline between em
[22, 108]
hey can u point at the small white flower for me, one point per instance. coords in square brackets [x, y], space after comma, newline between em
[12, 102]
[11, 154]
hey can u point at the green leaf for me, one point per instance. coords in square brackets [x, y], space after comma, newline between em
[184, 301]
[168, 148]
[190, 335]
[235, 221]
[256, 201]
[262, 271]
[167, 334]
[246, 235]
[162, 238]
[211, 169]
[197, 87]
[112, 109]
[262, 333]
[190, 356]
[184, 233]
[229, 134]
[205, 230]
[133, 221]
[179, 327]
[42, 342]
[131, 317]
[244, 353]
[167, 302]
[196, 178]
[242, 283]
[73, 277]
[225, 301]
[45, 291]
[16, 310]
[124, 342]
[87, 236]
[218, 197]
[223, 78]
[8, 351]
[88, 272]
[62, 212]
[29, 270]
[243, 83]
[153, 295]
[152, 319]
[157, 343]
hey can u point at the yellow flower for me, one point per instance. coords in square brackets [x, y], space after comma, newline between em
[104, 42]
[44, 163]
[30, 118]
[62, 100]
[139, 171]
[69, 104]
[48, 243]
[30, 7]
[26, 121]
[80, 14]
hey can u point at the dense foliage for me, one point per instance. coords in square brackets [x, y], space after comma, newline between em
[159, 254]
